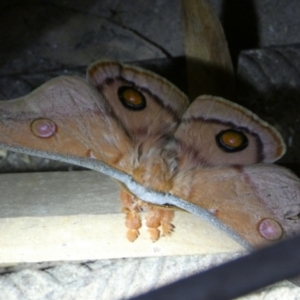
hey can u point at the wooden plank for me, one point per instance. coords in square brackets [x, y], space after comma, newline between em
[209, 66]
[76, 216]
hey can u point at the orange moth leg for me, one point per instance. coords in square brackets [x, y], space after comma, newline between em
[166, 226]
[159, 217]
[132, 217]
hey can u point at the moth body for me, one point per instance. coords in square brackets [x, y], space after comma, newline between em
[211, 153]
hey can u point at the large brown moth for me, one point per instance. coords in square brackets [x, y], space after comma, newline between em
[211, 157]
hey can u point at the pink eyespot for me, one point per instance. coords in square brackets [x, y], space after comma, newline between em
[43, 128]
[270, 229]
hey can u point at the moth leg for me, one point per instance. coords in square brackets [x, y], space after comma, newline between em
[159, 217]
[132, 214]
[166, 226]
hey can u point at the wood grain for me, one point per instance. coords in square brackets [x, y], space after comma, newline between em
[209, 66]
[76, 216]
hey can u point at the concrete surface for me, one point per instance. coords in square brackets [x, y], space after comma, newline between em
[117, 279]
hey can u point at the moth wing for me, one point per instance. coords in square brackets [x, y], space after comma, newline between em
[215, 132]
[260, 202]
[162, 103]
[65, 117]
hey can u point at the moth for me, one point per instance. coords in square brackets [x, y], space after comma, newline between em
[211, 157]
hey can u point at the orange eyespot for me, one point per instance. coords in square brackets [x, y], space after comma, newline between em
[231, 140]
[131, 98]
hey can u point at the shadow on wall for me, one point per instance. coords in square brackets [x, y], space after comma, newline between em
[25, 22]
[240, 23]
[269, 85]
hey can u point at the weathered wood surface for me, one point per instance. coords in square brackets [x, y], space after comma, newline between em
[77, 216]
